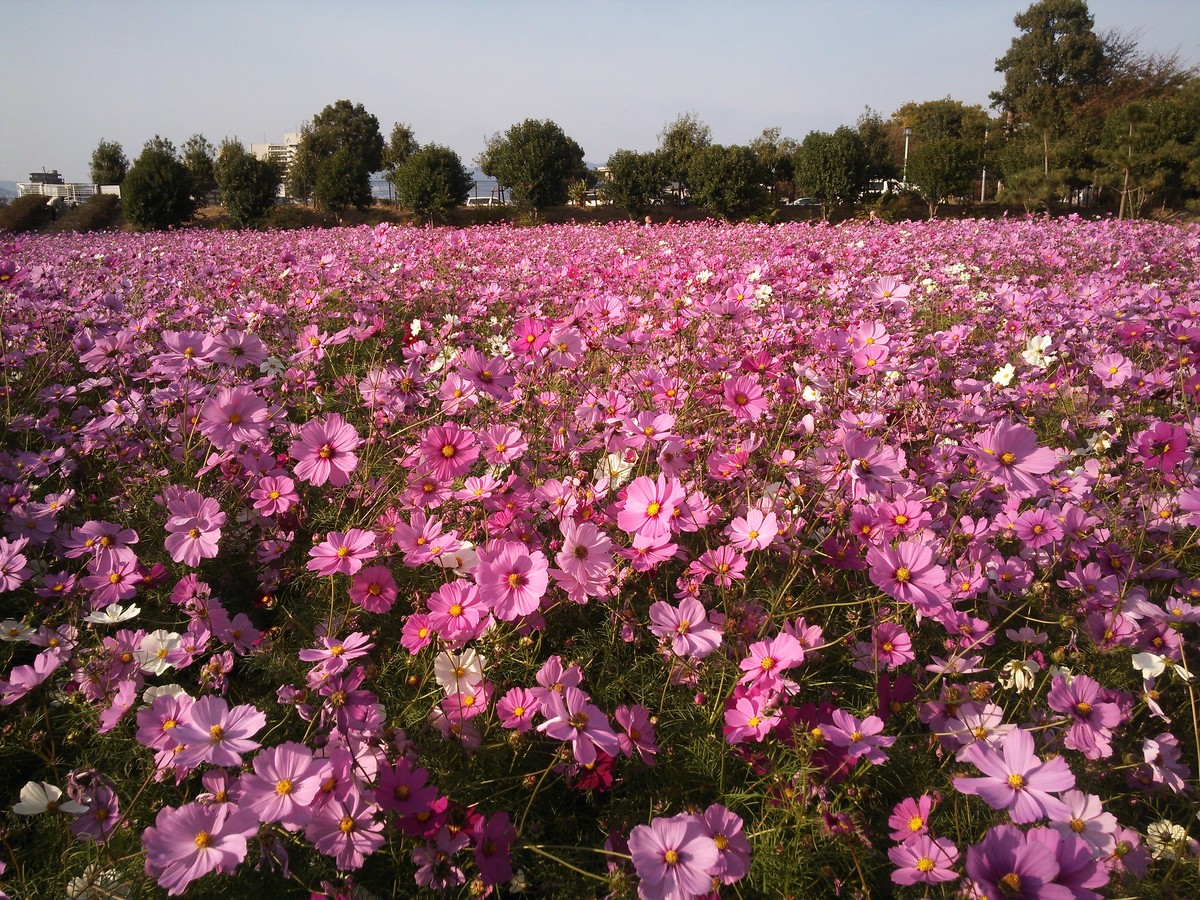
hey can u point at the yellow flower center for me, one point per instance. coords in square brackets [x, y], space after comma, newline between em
[283, 787]
[202, 839]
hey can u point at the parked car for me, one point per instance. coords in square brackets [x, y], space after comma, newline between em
[485, 201]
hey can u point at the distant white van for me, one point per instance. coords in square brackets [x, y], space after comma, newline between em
[484, 201]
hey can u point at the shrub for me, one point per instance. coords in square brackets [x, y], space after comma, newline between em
[97, 213]
[29, 213]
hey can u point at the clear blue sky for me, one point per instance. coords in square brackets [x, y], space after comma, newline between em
[610, 73]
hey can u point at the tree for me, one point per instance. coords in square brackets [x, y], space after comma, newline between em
[940, 168]
[345, 130]
[248, 185]
[109, 164]
[432, 180]
[157, 192]
[400, 146]
[774, 154]
[679, 141]
[536, 161]
[1050, 70]
[948, 144]
[636, 180]
[832, 167]
[726, 181]
[200, 158]
[879, 145]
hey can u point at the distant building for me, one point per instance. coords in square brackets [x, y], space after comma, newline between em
[281, 154]
[44, 177]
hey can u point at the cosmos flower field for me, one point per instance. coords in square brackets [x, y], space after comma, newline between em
[622, 561]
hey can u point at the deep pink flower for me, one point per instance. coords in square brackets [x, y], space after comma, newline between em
[744, 398]
[517, 708]
[447, 451]
[763, 668]
[910, 818]
[1092, 718]
[673, 858]
[324, 451]
[639, 732]
[342, 554]
[197, 838]
[374, 589]
[749, 716]
[1016, 779]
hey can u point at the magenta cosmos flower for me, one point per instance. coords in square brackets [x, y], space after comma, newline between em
[186, 843]
[283, 785]
[511, 579]
[1016, 779]
[448, 451]
[324, 451]
[342, 553]
[673, 858]
[571, 717]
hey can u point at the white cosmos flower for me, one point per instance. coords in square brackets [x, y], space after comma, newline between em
[615, 468]
[1004, 375]
[463, 560]
[1166, 839]
[152, 655]
[1035, 351]
[12, 630]
[112, 614]
[39, 797]
[1020, 674]
[455, 671]
[1151, 665]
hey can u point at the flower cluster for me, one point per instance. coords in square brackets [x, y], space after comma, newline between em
[390, 556]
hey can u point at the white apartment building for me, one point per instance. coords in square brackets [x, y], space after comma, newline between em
[282, 154]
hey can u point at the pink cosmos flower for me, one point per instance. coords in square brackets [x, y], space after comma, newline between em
[753, 531]
[324, 451]
[404, 790]
[447, 451]
[586, 551]
[274, 495]
[194, 527]
[910, 818]
[1016, 779]
[725, 564]
[493, 837]
[283, 785]
[346, 830]
[517, 708]
[673, 858]
[216, 734]
[763, 668]
[512, 580]
[374, 589]
[232, 417]
[342, 553]
[748, 715]
[744, 398]
[639, 732]
[1092, 718]
[1162, 446]
[860, 738]
[571, 717]
[726, 830]
[686, 626]
[1009, 454]
[335, 654]
[908, 573]
[1113, 369]
[924, 860]
[503, 444]
[197, 838]
[649, 506]
[456, 611]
